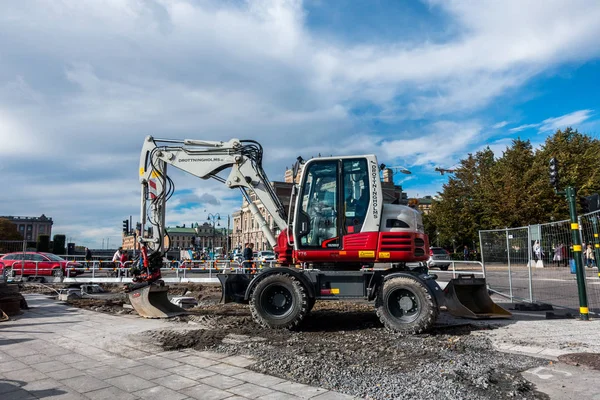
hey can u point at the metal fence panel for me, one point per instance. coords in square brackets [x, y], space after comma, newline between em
[505, 256]
[590, 231]
[534, 263]
[12, 246]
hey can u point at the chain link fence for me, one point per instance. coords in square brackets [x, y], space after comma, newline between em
[535, 263]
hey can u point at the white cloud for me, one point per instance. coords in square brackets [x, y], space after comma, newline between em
[500, 125]
[523, 127]
[82, 82]
[574, 118]
[552, 124]
[440, 143]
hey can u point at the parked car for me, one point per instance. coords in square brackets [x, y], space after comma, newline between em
[36, 263]
[438, 257]
[265, 256]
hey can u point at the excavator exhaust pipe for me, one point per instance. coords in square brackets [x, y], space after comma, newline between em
[151, 301]
[468, 297]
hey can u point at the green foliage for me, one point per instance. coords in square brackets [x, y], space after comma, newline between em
[489, 191]
[43, 243]
[9, 231]
[58, 246]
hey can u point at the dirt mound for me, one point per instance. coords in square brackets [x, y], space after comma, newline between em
[105, 306]
[342, 346]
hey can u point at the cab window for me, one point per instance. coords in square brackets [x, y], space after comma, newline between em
[319, 203]
[356, 194]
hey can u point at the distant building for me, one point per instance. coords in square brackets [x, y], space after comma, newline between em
[425, 204]
[245, 227]
[31, 227]
[195, 237]
[392, 193]
[129, 242]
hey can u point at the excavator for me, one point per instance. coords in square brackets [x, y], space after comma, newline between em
[337, 240]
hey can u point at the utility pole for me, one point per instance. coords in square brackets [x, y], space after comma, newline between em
[571, 194]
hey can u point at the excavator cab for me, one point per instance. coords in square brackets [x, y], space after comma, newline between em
[334, 200]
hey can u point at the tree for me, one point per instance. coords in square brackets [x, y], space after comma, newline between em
[58, 246]
[488, 192]
[458, 212]
[8, 230]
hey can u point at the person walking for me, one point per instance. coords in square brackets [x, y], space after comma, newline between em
[537, 251]
[466, 253]
[117, 257]
[248, 256]
[590, 258]
[556, 260]
[88, 257]
[124, 258]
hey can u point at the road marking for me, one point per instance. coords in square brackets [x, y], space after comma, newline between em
[537, 373]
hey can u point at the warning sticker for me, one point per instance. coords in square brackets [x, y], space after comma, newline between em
[385, 254]
[366, 254]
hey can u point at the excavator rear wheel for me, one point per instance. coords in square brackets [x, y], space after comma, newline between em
[405, 305]
[279, 301]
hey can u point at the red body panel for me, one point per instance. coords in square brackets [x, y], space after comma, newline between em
[367, 247]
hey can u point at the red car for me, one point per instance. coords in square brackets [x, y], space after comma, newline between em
[35, 263]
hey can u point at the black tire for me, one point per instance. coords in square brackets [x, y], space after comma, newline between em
[58, 273]
[405, 305]
[311, 303]
[444, 267]
[279, 301]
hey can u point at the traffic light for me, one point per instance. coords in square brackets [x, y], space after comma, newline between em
[126, 226]
[554, 173]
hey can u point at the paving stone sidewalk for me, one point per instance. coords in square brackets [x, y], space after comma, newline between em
[53, 351]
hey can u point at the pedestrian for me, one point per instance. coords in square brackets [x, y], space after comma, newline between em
[248, 256]
[117, 257]
[88, 256]
[589, 255]
[558, 251]
[537, 251]
[466, 253]
[124, 258]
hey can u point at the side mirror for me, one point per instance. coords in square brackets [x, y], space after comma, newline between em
[303, 224]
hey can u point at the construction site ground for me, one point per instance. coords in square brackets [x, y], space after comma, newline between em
[342, 346]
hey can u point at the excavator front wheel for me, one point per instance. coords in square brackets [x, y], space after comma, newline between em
[279, 301]
[405, 305]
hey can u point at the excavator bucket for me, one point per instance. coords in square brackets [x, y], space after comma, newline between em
[233, 287]
[467, 297]
[152, 302]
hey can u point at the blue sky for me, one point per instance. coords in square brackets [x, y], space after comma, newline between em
[419, 83]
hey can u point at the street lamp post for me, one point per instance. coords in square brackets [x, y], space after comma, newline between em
[214, 220]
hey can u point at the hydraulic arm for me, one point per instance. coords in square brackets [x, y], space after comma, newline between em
[204, 159]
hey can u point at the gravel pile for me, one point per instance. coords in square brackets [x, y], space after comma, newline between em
[343, 347]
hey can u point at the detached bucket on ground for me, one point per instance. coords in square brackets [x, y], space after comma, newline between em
[468, 297]
[152, 302]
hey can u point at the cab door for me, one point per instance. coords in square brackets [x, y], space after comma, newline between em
[317, 212]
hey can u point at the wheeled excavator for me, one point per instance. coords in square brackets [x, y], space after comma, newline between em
[339, 241]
